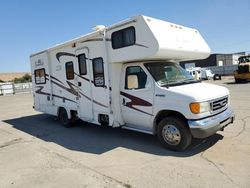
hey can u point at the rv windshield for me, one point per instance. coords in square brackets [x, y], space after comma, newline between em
[169, 74]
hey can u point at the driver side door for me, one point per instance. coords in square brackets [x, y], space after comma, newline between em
[136, 97]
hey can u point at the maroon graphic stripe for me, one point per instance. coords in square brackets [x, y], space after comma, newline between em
[71, 90]
[135, 101]
[39, 91]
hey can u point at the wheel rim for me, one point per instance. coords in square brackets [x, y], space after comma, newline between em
[171, 135]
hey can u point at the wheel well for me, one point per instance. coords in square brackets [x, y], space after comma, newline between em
[72, 114]
[59, 110]
[165, 113]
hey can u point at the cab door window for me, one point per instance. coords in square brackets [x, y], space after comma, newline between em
[135, 78]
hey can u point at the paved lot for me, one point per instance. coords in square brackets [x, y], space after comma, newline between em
[36, 151]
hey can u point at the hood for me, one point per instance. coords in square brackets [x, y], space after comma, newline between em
[201, 91]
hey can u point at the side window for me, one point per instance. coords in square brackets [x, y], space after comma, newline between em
[69, 67]
[123, 38]
[98, 72]
[135, 78]
[40, 76]
[82, 64]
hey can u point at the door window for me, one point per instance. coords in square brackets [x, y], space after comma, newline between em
[69, 67]
[135, 78]
[82, 64]
[98, 72]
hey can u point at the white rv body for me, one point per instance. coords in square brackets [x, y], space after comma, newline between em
[99, 92]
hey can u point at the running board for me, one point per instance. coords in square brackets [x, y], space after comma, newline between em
[138, 130]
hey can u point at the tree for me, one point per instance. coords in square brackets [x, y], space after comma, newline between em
[25, 78]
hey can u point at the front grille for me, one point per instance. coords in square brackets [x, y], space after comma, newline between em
[219, 104]
[243, 69]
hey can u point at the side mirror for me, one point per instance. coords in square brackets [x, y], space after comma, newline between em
[132, 81]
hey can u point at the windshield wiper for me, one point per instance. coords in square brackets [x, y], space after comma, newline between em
[179, 82]
[190, 80]
[168, 83]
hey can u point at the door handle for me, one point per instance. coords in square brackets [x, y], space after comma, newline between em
[79, 84]
[123, 102]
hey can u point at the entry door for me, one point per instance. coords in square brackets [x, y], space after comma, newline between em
[83, 81]
[136, 98]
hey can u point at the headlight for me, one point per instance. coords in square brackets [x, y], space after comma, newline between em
[199, 107]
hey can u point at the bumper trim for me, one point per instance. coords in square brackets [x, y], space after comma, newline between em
[206, 127]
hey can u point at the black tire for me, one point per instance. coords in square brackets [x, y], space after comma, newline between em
[217, 77]
[237, 80]
[180, 135]
[63, 118]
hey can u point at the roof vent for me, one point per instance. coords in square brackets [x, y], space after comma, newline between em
[98, 27]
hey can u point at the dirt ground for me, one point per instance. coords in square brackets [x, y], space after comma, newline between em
[11, 76]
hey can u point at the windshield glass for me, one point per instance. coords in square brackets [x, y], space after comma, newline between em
[168, 73]
[209, 73]
[244, 59]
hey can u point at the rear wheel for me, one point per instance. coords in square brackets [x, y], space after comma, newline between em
[174, 134]
[64, 119]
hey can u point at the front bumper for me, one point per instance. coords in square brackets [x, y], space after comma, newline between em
[244, 76]
[206, 127]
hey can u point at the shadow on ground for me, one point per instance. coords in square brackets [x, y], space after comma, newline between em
[234, 83]
[97, 140]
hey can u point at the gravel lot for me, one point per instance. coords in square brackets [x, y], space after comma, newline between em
[36, 151]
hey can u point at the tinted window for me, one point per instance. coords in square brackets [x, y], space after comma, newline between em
[69, 67]
[82, 64]
[98, 72]
[123, 38]
[40, 76]
[139, 73]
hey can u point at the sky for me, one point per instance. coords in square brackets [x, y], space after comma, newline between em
[28, 26]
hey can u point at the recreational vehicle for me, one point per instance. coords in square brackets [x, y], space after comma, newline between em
[126, 75]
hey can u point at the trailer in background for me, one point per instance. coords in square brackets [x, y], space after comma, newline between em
[6, 88]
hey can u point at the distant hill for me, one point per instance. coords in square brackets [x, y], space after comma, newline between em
[10, 76]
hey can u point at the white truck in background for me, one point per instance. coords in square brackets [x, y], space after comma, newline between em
[199, 73]
[207, 74]
[195, 72]
[126, 75]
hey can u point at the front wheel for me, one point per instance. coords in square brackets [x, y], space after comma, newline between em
[174, 134]
[237, 80]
